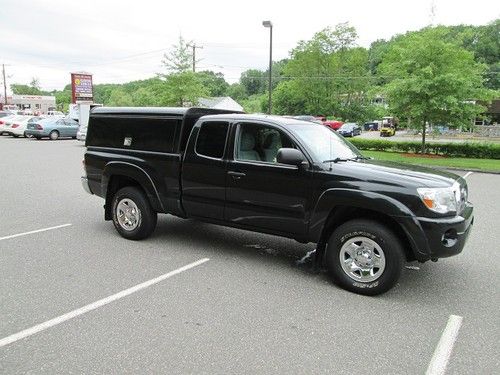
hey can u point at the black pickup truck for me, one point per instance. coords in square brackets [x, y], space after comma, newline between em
[275, 175]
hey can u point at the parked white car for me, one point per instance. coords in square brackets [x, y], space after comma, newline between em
[81, 134]
[8, 122]
[18, 128]
[3, 121]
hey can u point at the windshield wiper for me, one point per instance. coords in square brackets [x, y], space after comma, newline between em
[336, 160]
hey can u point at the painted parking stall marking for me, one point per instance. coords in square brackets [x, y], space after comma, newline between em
[34, 231]
[442, 354]
[467, 174]
[95, 305]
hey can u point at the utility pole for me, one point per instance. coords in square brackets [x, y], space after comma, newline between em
[194, 46]
[4, 84]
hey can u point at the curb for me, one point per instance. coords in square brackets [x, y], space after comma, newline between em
[465, 170]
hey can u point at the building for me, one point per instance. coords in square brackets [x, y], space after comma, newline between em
[222, 102]
[35, 103]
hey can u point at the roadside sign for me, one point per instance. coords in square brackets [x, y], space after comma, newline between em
[81, 88]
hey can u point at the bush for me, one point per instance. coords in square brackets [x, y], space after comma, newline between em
[455, 149]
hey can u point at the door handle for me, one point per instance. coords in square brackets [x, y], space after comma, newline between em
[236, 175]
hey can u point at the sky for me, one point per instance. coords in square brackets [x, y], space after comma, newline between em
[121, 41]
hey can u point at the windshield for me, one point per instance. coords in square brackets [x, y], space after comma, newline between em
[324, 143]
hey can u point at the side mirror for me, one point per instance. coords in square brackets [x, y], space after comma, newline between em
[290, 156]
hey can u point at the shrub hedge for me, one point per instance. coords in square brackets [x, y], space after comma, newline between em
[456, 149]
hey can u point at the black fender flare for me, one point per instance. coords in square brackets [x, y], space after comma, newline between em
[376, 202]
[137, 173]
[331, 198]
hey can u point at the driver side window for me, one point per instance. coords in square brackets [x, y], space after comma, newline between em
[258, 142]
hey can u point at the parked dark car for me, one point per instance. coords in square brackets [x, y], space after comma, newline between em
[349, 129]
[279, 176]
[370, 126]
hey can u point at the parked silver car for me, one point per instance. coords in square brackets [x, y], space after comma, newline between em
[53, 128]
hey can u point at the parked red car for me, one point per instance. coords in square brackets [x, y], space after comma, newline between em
[333, 124]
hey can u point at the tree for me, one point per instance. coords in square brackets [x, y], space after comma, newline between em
[329, 75]
[120, 98]
[289, 99]
[182, 89]
[255, 103]
[179, 59]
[63, 99]
[254, 81]
[237, 92]
[32, 89]
[215, 83]
[432, 80]
[144, 97]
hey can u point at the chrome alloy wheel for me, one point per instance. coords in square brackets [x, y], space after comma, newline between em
[128, 214]
[362, 259]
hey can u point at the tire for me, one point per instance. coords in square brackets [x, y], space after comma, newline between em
[54, 135]
[371, 244]
[15, 135]
[38, 138]
[130, 225]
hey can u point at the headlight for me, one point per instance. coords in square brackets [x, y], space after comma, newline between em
[440, 200]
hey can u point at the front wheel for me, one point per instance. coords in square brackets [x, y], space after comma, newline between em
[133, 216]
[364, 257]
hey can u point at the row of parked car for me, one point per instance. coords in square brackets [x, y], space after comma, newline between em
[30, 126]
[348, 129]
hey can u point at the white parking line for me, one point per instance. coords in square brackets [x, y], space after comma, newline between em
[442, 354]
[34, 231]
[467, 175]
[94, 305]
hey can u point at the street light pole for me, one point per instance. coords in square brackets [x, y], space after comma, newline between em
[270, 26]
[4, 85]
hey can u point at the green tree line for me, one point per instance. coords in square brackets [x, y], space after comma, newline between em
[433, 75]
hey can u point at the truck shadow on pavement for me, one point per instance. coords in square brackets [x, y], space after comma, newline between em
[217, 241]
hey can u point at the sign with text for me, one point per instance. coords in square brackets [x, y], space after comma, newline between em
[81, 88]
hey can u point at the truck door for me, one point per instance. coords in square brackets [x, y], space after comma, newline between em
[262, 193]
[204, 171]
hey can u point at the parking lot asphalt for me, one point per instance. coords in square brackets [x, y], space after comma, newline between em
[248, 309]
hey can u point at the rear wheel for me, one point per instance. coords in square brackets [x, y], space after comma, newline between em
[364, 257]
[133, 215]
[54, 134]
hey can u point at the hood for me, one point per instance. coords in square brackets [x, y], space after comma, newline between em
[395, 173]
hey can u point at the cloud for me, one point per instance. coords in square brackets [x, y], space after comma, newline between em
[119, 41]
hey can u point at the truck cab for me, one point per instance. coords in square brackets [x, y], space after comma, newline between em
[279, 176]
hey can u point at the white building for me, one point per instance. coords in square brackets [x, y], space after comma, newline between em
[222, 102]
[35, 103]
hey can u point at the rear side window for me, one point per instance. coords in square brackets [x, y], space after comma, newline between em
[135, 133]
[211, 139]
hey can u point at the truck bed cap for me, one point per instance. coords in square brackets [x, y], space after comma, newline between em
[179, 111]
